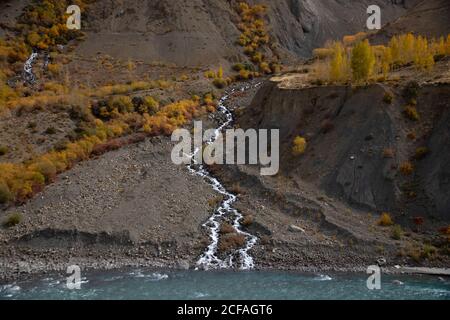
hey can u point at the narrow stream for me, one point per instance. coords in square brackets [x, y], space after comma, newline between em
[210, 258]
[28, 75]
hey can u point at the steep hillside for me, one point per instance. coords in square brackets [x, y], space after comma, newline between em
[203, 32]
[360, 146]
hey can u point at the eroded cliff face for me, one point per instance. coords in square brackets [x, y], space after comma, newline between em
[203, 32]
[357, 144]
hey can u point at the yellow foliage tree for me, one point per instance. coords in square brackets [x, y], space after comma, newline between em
[386, 61]
[423, 57]
[220, 73]
[339, 64]
[362, 61]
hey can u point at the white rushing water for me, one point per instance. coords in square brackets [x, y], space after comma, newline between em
[28, 74]
[210, 259]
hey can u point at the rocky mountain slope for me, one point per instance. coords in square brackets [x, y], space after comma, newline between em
[132, 206]
[203, 32]
[428, 18]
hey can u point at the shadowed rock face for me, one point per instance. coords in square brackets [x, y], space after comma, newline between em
[435, 169]
[202, 32]
[348, 160]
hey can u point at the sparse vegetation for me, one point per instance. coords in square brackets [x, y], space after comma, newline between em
[419, 253]
[12, 220]
[411, 135]
[388, 153]
[411, 91]
[388, 98]
[3, 150]
[54, 69]
[411, 113]
[231, 241]
[214, 202]
[397, 232]
[21, 181]
[247, 220]
[407, 168]
[5, 193]
[253, 38]
[219, 81]
[226, 228]
[385, 220]
[236, 189]
[299, 146]
[428, 251]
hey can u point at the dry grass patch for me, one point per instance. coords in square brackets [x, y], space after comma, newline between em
[231, 241]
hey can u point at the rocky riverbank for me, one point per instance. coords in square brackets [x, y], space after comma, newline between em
[134, 208]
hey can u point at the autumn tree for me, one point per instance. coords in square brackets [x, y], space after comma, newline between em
[362, 61]
[220, 73]
[338, 64]
[423, 57]
[386, 61]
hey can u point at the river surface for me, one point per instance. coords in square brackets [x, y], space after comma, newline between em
[243, 285]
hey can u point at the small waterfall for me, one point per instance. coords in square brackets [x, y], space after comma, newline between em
[210, 259]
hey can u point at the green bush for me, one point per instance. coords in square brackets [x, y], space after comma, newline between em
[5, 193]
[146, 105]
[151, 105]
[397, 232]
[3, 150]
[122, 104]
[428, 251]
[13, 219]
